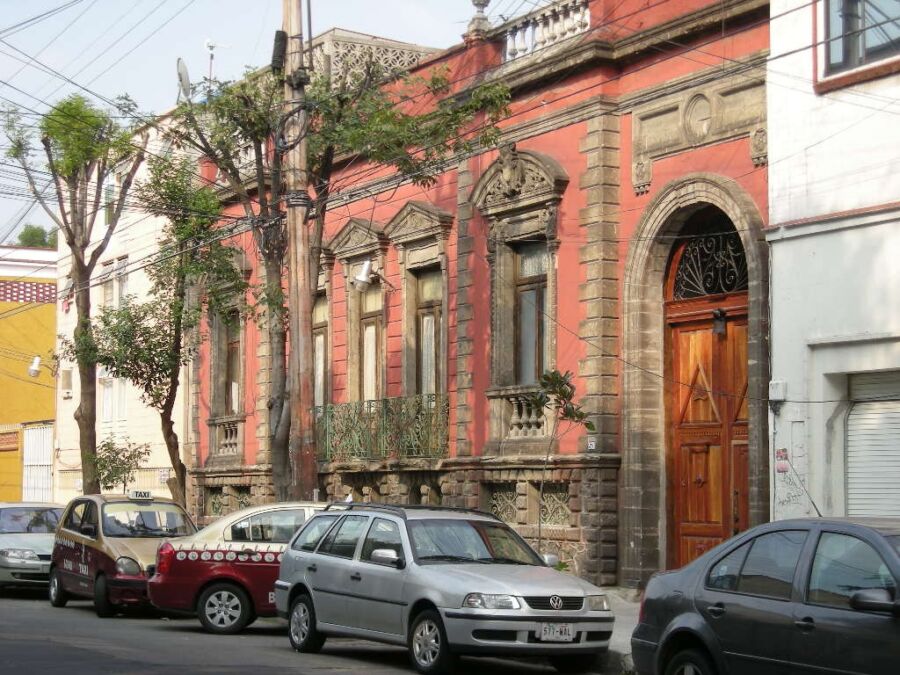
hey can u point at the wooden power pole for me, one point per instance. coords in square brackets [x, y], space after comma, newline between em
[302, 448]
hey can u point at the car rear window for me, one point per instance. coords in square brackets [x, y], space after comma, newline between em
[311, 534]
[270, 526]
[723, 576]
[28, 520]
[769, 567]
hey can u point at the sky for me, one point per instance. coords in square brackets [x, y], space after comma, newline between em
[114, 47]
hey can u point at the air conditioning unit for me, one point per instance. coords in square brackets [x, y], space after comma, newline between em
[66, 394]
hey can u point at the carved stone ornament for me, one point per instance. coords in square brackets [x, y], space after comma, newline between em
[417, 221]
[519, 180]
[358, 237]
[759, 146]
[698, 118]
[642, 175]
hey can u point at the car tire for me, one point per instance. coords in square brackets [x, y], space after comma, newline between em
[690, 662]
[55, 592]
[429, 650]
[573, 663]
[224, 609]
[302, 631]
[102, 606]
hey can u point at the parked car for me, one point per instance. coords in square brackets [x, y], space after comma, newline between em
[106, 544]
[795, 596]
[26, 542]
[226, 572]
[443, 582]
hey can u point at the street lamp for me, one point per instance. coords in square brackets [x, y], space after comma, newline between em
[366, 276]
[35, 368]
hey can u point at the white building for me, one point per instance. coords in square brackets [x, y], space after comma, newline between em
[120, 271]
[834, 208]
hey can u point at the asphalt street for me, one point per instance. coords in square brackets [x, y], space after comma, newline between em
[38, 638]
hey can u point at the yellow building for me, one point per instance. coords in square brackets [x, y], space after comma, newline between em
[27, 329]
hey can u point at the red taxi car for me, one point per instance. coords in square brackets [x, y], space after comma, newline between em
[105, 545]
[226, 572]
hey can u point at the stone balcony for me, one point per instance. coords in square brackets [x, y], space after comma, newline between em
[412, 427]
[543, 28]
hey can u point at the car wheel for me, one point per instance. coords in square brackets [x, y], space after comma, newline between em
[428, 649]
[573, 663]
[224, 609]
[102, 606]
[55, 591]
[690, 662]
[302, 626]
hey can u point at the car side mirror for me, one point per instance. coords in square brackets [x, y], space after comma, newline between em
[89, 530]
[387, 556]
[550, 559]
[874, 600]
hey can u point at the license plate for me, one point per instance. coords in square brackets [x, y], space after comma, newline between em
[557, 632]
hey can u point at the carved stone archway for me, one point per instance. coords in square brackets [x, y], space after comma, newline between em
[642, 545]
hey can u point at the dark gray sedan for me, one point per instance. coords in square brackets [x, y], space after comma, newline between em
[795, 596]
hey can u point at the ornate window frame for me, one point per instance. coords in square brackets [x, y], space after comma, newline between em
[518, 196]
[420, 232]
[357, 241]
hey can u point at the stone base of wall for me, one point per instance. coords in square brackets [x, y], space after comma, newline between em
[215, 492]
[577, 508]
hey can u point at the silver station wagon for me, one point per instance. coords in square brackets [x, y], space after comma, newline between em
[443, 581]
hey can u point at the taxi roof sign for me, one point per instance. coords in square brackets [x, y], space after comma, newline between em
[140, 494]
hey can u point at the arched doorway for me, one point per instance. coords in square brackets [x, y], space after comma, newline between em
[646, 523]
[706, 465]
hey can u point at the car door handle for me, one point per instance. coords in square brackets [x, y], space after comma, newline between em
[311, 568]
[356, 576]
[805, 624]
[716, 610]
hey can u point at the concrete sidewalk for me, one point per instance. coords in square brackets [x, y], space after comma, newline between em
[625, 605]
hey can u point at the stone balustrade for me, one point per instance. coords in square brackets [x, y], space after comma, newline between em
[545, 27]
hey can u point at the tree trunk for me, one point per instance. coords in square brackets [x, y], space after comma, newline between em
[177, 485]
[178, 482]
[86, 412]
[279, 418]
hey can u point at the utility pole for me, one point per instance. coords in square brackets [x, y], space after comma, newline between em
[304, 472]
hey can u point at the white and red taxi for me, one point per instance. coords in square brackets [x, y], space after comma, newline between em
[226, 572]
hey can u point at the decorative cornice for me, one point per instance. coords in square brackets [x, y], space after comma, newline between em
[357, 238]
[519, 180]
[417, 221]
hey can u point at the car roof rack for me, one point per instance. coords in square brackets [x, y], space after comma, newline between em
[401, 509]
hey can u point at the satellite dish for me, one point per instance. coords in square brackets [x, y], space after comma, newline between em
[184, 81]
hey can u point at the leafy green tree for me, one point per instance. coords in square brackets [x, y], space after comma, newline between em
[82, 145]
[148, 342]
[556, 394]
[351, 115]
[116, 463]
[36, 236]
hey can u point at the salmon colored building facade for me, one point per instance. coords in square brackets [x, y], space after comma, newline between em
[616, 232]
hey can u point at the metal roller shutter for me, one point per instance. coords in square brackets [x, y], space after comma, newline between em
[873, 445]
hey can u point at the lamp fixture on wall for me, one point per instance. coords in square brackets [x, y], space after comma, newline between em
[367, 276]
[718, 321]
[35, 368]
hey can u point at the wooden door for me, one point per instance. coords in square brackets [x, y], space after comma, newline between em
[707, 416]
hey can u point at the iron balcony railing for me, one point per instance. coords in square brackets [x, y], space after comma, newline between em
[407, 427]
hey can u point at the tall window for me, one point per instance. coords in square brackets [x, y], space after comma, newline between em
[531, 317]
[370, 341]
[231, 350]
[428, 330]
[121, 279]
[107, 287]
[861, 31]
[105, 380]
[320, 349]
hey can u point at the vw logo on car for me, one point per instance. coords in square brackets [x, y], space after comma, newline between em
[556, 602]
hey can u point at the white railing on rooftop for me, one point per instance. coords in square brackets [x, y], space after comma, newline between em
[546, 27]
